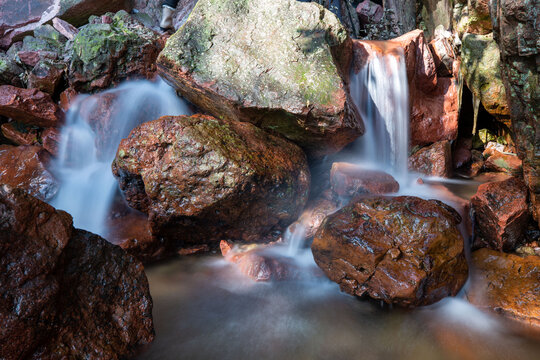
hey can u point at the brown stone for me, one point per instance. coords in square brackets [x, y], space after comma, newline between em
[462, 152]
[434, 160]
[202, 179]
[50, 139]
[20, 134]
[349, 180]
[501, 214]
[501, 162]
[67, 97]
[25, 167]
[369, 12]
[28, 106]
[401, 250]
[313, 215]
[66, 293]
[443, 55]
[507, 284]
[46, 77]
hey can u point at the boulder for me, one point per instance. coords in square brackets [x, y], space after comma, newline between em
[66, 293]
[516, 33]
[29, 106]
[18, 19]
[46, 77]
[481, 68]
[313, 215]
[257, 262]
[202, 179]
[504, 162]
[507, 285]
[26, 168]
[369, 12]
[501, 214]
[281, 65]
[103, 54]
[433, 100]
[349, 180]
[402, 250]
[434, 160]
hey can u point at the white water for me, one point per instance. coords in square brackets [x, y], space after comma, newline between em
[84, 170]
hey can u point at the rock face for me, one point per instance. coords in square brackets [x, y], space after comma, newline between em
[508, 285]
[19, 18]
[350, 180]
[201, 179]
[434, 160]
[105, 53]
[515, 31]
[481, 68]
[29, 106]
[433, 99]
[277, 64]
[66, 293]
[501, 213]
[25, 167]
[403, 250]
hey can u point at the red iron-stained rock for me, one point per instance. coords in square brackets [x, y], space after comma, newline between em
[434, 160]
[28, 106]
[350, 180]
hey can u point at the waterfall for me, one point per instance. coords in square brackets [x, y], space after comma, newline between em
[381, 94]
[90, 138]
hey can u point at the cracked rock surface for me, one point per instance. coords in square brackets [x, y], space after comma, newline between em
[279, 64]
[401, 250]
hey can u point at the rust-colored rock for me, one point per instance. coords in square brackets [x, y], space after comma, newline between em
[313, 215]
[501, 214]
[67, 97]
[28, 106]
[256, 262]
[434, 160]
[508, 163]
[291, 78]
[20, 134]
[50, 140]
[202, 179]
[349, 180]
[443, 55]
[25, 167]
[66, 293]
[433, 99]
[403, 250]
[508, 285]
[46, 77]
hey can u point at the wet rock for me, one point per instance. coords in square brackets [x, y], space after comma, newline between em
[313, 215]
[26, 168]
[287, 78]
[433, 100]
[434, 160]
[257, 262]
[104, 54]
[67, 97]
[507, 284]
[46, 77]
[508, 163]
[403, 250]
[10, 71]
[50, 140]
[210, 179]
[349, 180]
[369, 12]
[481, 68]
[66, 293]
[28, 106]
[16, 20]
[501, 214]
[20, 134]
[516, 33]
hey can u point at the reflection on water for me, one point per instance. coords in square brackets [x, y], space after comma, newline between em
[204, 309]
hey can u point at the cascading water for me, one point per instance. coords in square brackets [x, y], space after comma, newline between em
[89, 141]
[381, 93]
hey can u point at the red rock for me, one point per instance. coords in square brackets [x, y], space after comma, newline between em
[45, 77]
[54, 281]
[30, 58]
[402, 250]
[443, 55]
[28, 106]
[501, 214]
[67, 97]
[194, 250]
[20, 134]
[434, 160]
[50, 139]
[255, 262]
[210, 179]
[462, 152]
[349, 180]
[433, 100]
[65, 28]
[501, 162]
[313, 215]
[25, 167]
[507, 284]
[369, 12]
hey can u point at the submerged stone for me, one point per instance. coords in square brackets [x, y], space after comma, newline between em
[202, 179]
[280, 64]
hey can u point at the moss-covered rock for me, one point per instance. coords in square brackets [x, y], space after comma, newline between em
[481, 67]
[103, 54]
[202, 179]
[10, 71]
[278, 64]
